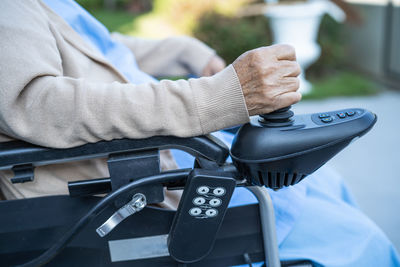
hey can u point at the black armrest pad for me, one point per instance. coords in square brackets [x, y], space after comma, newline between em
[20, 153]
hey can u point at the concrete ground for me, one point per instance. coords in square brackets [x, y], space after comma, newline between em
[371, 165]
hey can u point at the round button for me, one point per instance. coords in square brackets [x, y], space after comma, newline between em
[199, 200]
[202, 190]
[195, 211]
[211, 212]
[327, 120]
[215, 202]
[219, 191]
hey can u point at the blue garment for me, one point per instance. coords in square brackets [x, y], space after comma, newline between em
[316, 219]
[96, 35]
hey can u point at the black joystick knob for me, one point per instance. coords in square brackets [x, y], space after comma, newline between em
[278, 118]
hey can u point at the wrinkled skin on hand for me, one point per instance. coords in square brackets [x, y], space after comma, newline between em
[268, 76]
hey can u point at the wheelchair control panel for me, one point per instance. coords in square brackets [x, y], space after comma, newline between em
[297, 145]
[200, 214]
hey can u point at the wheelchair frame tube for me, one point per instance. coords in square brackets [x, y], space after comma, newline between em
[268, 225]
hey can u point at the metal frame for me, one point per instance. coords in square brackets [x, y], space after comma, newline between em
[267, 217]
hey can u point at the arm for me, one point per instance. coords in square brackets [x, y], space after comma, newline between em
[173, 56]
[41, 105]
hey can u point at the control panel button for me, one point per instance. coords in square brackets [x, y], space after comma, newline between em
[195, 211]
[341, 115]
[215, 202]
[202, 190]
[211, 212]
[350, 113]
[219, 191]
[327, 120]
[323, 115]
[199, 201]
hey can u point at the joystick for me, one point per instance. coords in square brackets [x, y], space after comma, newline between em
[278, 118]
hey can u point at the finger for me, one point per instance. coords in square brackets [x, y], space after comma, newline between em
[287, 99]
[284, 52]
[289, 68]
[290, 84]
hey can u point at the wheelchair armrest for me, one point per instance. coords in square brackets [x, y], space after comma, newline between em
[19, 153]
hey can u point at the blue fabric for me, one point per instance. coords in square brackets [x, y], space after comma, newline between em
[316, 219]
[96, 35]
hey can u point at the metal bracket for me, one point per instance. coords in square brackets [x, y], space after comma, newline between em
[137, 203]
[127, 167]
[23, 173]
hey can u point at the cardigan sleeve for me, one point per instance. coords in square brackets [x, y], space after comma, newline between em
[42, 105]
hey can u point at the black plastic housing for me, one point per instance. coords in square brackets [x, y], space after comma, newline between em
[282, 156]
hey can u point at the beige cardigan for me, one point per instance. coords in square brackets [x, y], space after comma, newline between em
[58, 91]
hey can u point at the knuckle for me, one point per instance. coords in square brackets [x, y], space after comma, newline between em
[289, 48]
[296, 97]
[296, 83]
[297, 68]
[267, 83]
[253, 54]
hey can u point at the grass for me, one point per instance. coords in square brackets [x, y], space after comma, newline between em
[114, 20]
[344, 83]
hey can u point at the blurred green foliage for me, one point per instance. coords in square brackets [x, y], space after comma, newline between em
[113, 20]
[232, 36]
[90, 4]
[99, 4]
[332, 40]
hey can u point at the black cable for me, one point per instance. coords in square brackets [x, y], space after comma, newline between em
[50, 253]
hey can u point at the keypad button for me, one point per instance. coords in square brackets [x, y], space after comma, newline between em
[215, 202]
[327, 120]
[199, 201]
[341, 115]
[202, 190]
[211, 212]
[350, 113]
[323, 115]
[195, 211]
[219, 191]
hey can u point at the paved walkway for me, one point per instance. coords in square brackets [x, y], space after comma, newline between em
[371, 165]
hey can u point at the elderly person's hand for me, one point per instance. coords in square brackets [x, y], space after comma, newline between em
[268, 76]
[214, 65]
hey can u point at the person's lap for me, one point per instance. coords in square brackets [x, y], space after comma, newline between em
[332, 231]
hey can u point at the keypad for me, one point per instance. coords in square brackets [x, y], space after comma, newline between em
[206, 201]
[334, 117]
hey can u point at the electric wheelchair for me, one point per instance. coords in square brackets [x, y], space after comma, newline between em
[113, 222]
